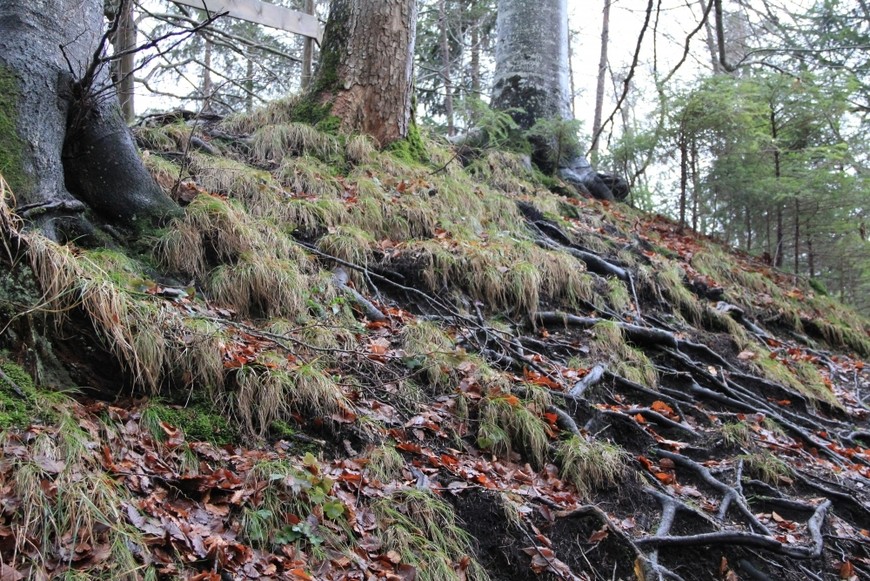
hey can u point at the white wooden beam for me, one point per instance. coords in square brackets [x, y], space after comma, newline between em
[264, 13]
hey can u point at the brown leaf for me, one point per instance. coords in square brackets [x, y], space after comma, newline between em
[847, 570]
[599, 535]
[7, 573]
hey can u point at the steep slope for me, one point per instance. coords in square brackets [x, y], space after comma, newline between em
[351, 364]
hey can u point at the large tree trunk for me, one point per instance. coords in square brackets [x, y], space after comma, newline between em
[532, 81]
[366, 66]
[53, 138]
[531, 56]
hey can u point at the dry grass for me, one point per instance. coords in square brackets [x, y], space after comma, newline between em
[348, 243]
[272, 143]
[671, 283]
[123, 325]
[737, 434]
[506, 422]
[309, 177]
[591, 465]
[385, 463]
[258, 284]
[430, 352]
[164, 172]
[277, 112]
[618, 295]
[255, 187]
[79, 505]
[360, 149]
[767, 466]
[210, 227]
[423, 530]
[507, 172]
[609, 345]
[198, 360]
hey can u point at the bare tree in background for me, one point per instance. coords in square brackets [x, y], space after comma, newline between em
[599, 88]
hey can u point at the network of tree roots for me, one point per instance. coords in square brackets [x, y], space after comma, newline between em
[342, 363]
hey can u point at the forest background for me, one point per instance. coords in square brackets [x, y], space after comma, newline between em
[760, 144]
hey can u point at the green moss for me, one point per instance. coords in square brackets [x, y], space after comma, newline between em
[412, 149]
[16, 411]
[11, 145]
[818, 286]
[199, 422]
[326, 80]
[309, 110]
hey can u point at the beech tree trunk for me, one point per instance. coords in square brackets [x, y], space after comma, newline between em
[366, 66]
[61, 150]
[532, 81]
[531, 60]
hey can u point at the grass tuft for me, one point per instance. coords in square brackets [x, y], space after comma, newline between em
[507, 422]
[423, 531]
[591, 465]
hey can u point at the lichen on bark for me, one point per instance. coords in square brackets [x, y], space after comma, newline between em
[11, 145]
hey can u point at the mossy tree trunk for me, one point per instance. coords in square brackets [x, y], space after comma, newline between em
[366, 66]
[66, 151]
[532, 81]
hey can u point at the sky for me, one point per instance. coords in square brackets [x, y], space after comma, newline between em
[626, 20]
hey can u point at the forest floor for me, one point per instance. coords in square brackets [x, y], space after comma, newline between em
[349, 364]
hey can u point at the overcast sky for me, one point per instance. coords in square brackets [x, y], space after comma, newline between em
[626, 20]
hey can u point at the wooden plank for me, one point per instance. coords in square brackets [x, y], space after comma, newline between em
[263, 13]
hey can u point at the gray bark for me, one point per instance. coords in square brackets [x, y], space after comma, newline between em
[531, 55]
[39, 101]
[532, 80]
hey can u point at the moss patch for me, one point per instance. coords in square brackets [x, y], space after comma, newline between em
[310, 111]
[16, 411]
[199, 422]
[411, 149]
[11, 145]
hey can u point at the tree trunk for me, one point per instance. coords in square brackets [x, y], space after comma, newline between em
[124, 42]
[249, 85]
[696, 184]
[797, 235]
[207, 87]
[475, 57]
[711, 41]
[532, 81]
[780, 238]
[445, 66]
[366, 66]
[531, 60]
[777, 174]
[684, 178]
[307, 51]
[602, 72]
[55, 140]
